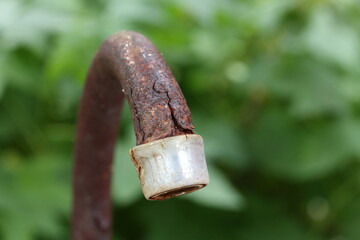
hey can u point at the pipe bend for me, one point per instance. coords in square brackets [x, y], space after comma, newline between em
[157, 104]
[127, 64]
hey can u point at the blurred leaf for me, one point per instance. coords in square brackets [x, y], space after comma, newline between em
[29, 26]
[70, 56]
[286, 149]
[21, 70]
[126, 184]
[299, 81]
[204, 15]
[34, 196]
[269, 13]
[2, 75]
[268, 220]
[349, 220]
[222, 143]
[181, 220]
[219, 193]
[331, 39]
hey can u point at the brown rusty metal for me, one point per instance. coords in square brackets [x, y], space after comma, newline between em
[127, 64]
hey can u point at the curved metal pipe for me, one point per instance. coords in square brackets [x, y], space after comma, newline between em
[126, 65]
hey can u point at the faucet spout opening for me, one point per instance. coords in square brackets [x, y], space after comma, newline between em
[177, 192]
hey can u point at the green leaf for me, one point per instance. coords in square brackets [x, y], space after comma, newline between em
[349, 218]
[219, 193]
[34, 196]
[126, 185]
[29, 26]
[268, 13]
[222, 142]
[286, 149]
[3, 79]
[268, 220]
[331, 39]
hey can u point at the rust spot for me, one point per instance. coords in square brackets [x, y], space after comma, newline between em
[136, 163]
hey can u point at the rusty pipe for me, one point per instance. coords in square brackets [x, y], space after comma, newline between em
[169, 157]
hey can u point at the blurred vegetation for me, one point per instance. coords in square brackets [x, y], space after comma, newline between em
[274, 87]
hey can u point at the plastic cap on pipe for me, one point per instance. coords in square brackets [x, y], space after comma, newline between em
[171, 166]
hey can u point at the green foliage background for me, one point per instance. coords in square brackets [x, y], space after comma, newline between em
[274, 87]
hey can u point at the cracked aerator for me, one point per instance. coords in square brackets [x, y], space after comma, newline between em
[169, 157]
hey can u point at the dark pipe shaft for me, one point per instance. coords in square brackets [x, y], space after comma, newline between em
[125, 63]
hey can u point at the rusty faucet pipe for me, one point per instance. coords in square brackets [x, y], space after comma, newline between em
[169, 157]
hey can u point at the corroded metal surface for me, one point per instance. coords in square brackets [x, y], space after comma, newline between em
[157, 104]
[127, 64]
